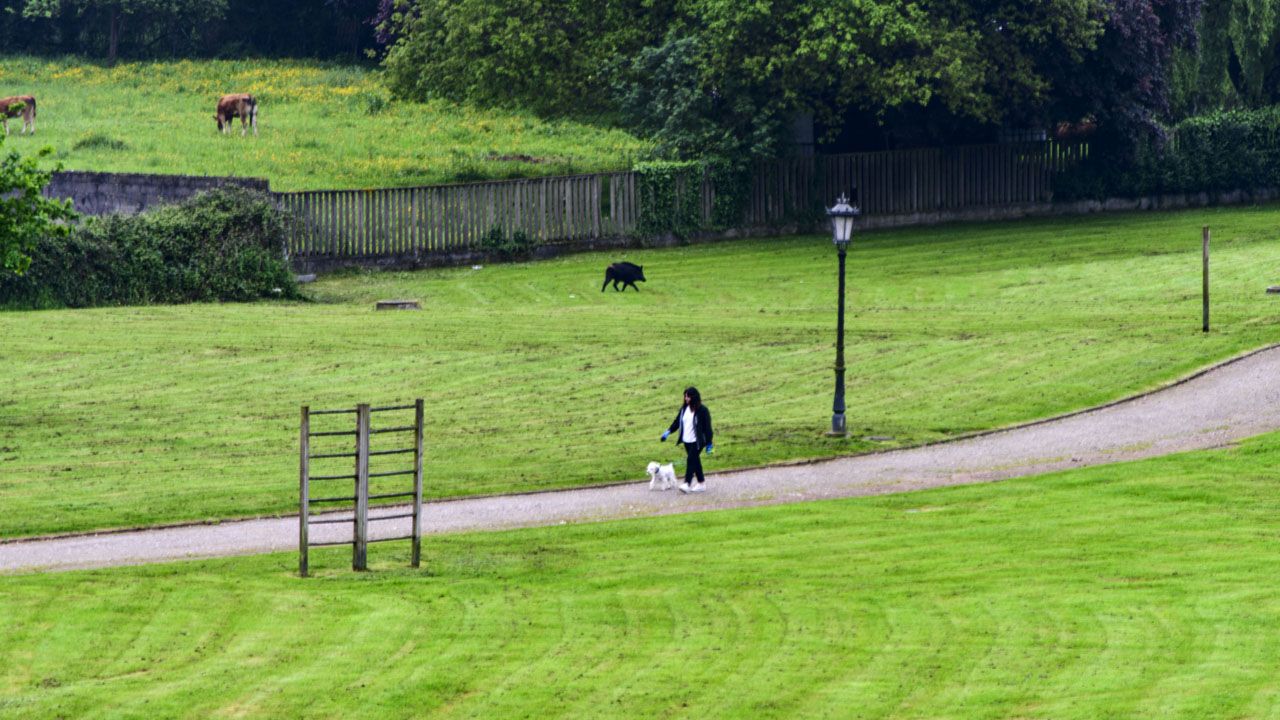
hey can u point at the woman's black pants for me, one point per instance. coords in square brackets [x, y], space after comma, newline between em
[694, 466]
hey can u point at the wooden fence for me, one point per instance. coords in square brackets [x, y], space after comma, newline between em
[420, 221]
[906, 182]
[445, 218]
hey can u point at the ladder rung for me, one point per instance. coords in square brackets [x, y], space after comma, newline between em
[391, 495]
[390, 517]
[333, 455]
[336, 542]
[332, 432]
[332, 477]
[404, 428]
[394, 472]
[332, 499]
[330, 522]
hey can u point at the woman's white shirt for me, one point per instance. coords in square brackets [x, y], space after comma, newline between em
[687, 432]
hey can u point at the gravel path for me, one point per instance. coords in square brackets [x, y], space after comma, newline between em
[1232, 401]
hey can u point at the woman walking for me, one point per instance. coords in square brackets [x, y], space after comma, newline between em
[693, 421]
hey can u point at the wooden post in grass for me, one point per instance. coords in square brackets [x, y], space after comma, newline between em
[304, 477]
[359, 551]
[1205, 263]
[416, 537]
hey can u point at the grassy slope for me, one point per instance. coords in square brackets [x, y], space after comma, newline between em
[535, 379]
[315, 128]
[1138, 590]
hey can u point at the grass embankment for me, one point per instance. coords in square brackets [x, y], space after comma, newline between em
[535, 379]
[321, 126]
[1136, 590]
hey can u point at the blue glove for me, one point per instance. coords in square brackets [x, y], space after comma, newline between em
[710, 447]
[665, 433]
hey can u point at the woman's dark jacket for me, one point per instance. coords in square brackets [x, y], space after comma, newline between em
[701, 425]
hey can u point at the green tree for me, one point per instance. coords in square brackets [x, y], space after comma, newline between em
[545, 55]
[26, 216]
[1026, 45]
[725, 76]
[1124, 84]
[146, 20]
[735, 74]
[1236, 63]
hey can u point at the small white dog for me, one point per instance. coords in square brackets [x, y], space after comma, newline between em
[662, 477]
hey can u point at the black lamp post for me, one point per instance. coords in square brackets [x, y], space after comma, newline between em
[842, 215]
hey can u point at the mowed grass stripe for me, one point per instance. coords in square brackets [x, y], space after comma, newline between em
[131, 416]
[1131, 590]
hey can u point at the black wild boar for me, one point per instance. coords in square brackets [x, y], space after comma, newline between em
[625, 273]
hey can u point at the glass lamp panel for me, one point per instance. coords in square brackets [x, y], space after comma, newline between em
[843, 228]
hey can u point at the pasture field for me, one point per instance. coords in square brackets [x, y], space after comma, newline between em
[535, 379]
[321, 126]
[1142, 590]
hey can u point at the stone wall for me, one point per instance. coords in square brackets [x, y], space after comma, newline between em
[105, 193]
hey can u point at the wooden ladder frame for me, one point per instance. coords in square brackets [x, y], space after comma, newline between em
[360, 498]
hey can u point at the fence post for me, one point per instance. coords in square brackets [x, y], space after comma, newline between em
[417, 483]
[304, 489]
[359, 553]
[1205, 273]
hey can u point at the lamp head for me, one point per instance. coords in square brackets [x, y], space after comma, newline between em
[842, 215]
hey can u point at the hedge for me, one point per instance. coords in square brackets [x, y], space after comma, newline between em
[223, 245]
[1223, 151]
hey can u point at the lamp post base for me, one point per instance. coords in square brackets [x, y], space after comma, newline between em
[838, 428]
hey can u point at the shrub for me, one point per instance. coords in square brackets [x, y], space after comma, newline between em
[1223, 151]
[374, 102]
[99, 141]
[670, 197]
[224, 245]
[518, 244]
[25, 214]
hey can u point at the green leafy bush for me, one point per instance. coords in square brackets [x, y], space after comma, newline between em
[1223, 151]
[224, 245]
[544, 57]
[99, 141]
[25, 214]
[517, 245]
[374, 102]
[669, 197]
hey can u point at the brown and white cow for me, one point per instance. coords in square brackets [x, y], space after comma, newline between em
[239, 105]
[23, 106]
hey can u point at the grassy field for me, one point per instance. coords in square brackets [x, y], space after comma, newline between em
[1132, 591]
[321, 126]
[535, 379]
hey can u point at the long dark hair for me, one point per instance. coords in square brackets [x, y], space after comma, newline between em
[695, 399]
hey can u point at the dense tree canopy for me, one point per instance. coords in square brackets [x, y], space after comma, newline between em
[148, 21]
[547, 55]
[1236, 64]
[189, 28]
[727, 76]
[1124, 83]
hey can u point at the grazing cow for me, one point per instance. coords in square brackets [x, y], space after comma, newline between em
[239, 105]
[625, 273]
[19, 105]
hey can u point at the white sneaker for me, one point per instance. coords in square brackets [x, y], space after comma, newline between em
[698, 487]
[684, 487]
